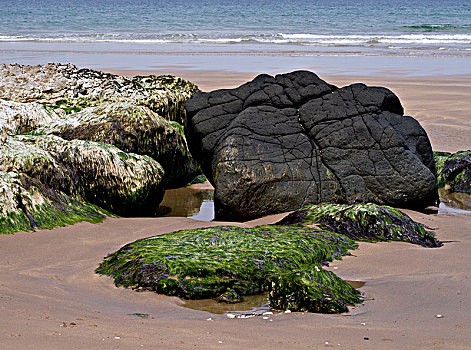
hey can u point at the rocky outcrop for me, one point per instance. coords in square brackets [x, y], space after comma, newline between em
[133, 129]
[20, 118]
[48, 181]
[454, 170]
[278, 143]
[68, 88]
[85, 139]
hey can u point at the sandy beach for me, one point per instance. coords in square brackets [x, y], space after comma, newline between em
[50, 297]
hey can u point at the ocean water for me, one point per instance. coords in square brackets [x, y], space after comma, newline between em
[365, 27]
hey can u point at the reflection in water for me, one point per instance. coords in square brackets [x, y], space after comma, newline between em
[251, 304]
[195, 202]
[453, 203]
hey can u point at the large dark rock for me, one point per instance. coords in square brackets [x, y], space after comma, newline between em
[278, 143]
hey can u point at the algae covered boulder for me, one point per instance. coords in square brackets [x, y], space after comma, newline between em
[133, 129]
[278, 143]
[363, 222]
[19, 118]
[51, 182]
[217, 261]
[69, 88]
[454, 170]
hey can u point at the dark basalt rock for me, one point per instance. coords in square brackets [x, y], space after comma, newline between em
[278, 143]
[454, 170]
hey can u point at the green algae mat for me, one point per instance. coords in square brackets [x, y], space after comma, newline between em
[286, 259]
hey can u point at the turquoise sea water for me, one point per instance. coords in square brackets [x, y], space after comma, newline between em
[394, 27]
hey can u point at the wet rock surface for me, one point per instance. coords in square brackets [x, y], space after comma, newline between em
[278, 143]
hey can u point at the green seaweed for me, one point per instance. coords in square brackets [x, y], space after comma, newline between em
[368, 221]
[440, 159]
[228, 261]
[454, 170]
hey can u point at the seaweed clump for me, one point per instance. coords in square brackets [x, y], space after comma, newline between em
[368, 221]
[228, 262]
[454, 170]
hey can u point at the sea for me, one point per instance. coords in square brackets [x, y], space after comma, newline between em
[404, 28]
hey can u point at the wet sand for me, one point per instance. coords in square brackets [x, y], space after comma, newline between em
[51, 299]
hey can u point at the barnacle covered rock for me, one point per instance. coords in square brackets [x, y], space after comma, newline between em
[133, 129]
[48, 181]
[67, 87]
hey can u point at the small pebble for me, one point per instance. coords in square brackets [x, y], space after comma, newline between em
[326, 343]
[220, 342]
[335, 267]
[287, 311]
[209, 319]
[366, 338]
[265, 317]
[363, 324]
[231, 315]
[438, 316]
[117, 337]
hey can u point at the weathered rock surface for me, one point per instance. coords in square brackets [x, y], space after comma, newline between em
[70, 88]
[454, 170]
[278, 143]
[133, 129]
[48, 181]
[72, 117]
[20, 118]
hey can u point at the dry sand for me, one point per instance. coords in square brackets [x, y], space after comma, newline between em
[51, 299]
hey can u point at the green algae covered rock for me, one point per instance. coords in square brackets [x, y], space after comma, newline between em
[313, 290]
[25, 207]
[69, 88]
[229, 262]
[363, 222]
[454, 170]
[48, 182]
[133, 129]
[440, 158]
